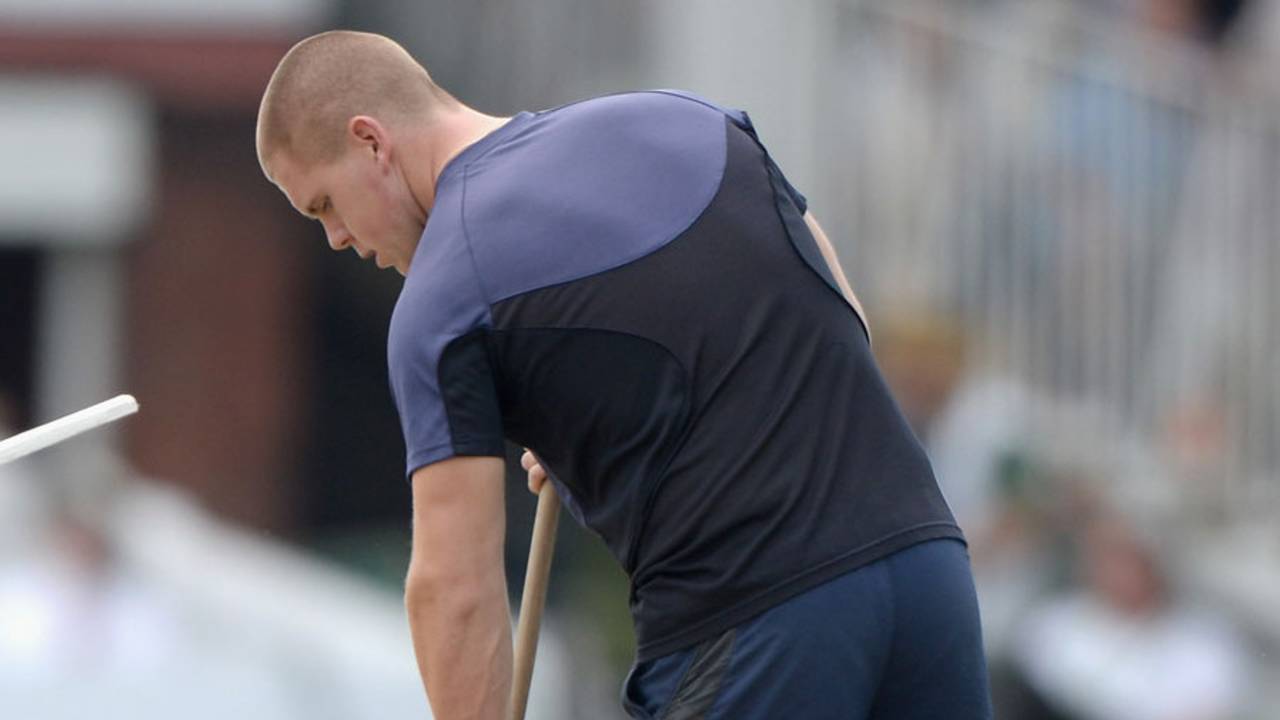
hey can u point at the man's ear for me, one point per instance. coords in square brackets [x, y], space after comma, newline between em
[369, 135]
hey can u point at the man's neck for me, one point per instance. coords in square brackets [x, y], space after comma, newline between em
[468, 127]
[441, 141]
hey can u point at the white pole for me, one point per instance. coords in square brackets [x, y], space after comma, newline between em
[63, 428]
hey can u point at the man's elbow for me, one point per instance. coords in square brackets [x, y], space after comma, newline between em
[450, 593]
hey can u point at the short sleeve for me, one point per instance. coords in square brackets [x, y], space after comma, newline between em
[441, 376]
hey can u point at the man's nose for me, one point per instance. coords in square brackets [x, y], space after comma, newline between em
[339, 238]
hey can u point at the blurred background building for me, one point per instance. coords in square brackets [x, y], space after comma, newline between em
[1061, 215]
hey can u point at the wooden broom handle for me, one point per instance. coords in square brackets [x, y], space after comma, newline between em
[541, 548]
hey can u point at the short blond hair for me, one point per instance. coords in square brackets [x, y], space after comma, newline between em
[326, 79]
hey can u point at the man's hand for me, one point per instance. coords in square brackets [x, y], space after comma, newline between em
[456, 592]
[537, 474]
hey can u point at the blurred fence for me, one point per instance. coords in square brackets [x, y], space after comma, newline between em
[1096, 212]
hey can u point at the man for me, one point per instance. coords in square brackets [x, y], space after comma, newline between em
[629, 287]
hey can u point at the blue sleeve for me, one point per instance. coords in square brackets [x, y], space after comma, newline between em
[438, 358]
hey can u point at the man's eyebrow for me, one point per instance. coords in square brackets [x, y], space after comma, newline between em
[313, 206]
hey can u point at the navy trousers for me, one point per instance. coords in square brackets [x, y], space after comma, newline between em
[898, 639]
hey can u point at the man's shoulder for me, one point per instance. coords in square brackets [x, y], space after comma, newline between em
[657, 101]
[560, 194]
[597, 130]
[579, 189]
[442, 295]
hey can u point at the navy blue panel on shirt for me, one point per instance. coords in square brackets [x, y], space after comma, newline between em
[628, 287]
[470, 396]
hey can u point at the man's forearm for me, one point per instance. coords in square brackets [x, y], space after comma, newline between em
[462, 638]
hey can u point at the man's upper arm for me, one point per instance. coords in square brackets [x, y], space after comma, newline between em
[459, 520]
[829, 254]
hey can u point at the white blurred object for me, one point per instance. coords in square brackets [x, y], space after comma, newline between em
[986, 418]
[64, 428]
[76, 176]
[142, 605]
[340, 646]
[22, 508]
[1097, 664]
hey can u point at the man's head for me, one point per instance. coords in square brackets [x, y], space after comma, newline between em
[339, 131]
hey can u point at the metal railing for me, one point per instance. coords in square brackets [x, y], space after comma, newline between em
[1096, 211]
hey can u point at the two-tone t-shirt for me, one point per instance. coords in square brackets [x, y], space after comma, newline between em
[627, 286]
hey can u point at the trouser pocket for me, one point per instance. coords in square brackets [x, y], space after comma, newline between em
[679, 686]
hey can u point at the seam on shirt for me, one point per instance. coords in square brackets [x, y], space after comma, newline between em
[471, 255]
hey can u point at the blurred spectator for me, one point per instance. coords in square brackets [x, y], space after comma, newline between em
[974, 423]
[1125, 645]
[133, 606]
[979, 431]
[68, 619]
[922, 356]
[88, 629]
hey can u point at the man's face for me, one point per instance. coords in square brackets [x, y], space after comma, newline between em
[361, 200]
